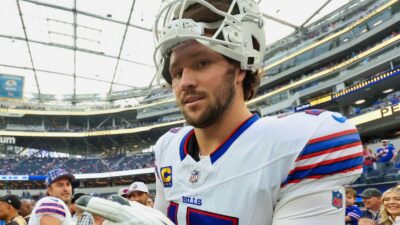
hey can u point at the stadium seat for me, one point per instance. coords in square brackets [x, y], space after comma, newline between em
[361, 180]
[368, 169]
[391, 175]
[375, 176]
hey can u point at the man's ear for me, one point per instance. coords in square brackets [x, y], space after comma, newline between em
[241, 74]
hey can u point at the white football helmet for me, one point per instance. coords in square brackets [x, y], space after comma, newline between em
[238, 36]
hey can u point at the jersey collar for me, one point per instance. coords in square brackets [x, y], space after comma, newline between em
[220, 150]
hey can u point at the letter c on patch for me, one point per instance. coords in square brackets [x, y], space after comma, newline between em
[166, 176]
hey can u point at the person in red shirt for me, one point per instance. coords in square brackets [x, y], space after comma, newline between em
[369, 159]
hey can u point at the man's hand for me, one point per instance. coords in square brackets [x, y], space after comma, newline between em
[120, 211]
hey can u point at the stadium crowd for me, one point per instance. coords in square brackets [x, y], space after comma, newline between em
[41, 165]
[27, 209]
[390, 99]
[381, 164]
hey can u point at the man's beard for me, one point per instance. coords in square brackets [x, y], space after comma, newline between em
[214, 111]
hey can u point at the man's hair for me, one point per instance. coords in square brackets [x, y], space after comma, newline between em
[351, 191]
[200, 13]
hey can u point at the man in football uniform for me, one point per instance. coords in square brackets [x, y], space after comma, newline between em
[53, 209]
[230, 166]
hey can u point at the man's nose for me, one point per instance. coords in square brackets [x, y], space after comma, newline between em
[188, 79]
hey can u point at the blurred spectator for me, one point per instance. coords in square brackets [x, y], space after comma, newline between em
[73, 208]
[138, 192]
[82, 217]
[371, 197]
[353, 213]
[9, 206]
[150, 202]
[384, 155]
[366, 221]
[26, 209]
[369, 159]
[97, 220]
[390, 212]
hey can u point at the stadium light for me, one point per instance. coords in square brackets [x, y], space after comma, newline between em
[377, 23]
[359, 102]
[387, 91]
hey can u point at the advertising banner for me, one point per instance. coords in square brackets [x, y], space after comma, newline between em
[11, 86]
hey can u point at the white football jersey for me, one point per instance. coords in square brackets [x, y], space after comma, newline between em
[281, 170]
[51, 206]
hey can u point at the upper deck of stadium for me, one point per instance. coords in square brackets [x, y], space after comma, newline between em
[80, 56]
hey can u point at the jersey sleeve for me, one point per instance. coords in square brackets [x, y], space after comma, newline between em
[313, 192]
[160, 202]
[354, 213]
[52, 207]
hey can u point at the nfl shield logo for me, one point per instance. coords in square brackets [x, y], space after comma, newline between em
[194, 176]
[337, 199]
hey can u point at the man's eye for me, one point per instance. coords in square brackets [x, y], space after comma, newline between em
[202, 64]
[177, 74]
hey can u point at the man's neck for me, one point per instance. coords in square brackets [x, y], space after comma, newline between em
[67, 203]
[374, 209]
[211, 137]
[11, 216]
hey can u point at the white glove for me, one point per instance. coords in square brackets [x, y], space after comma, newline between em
[120, 211]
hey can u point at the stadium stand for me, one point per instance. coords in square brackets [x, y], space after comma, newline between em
[41, 165]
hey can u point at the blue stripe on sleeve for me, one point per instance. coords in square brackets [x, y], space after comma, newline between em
[52, 204]
[330, 143]
[326, 169]
[49, 210]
